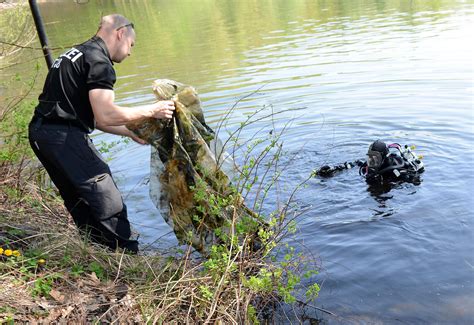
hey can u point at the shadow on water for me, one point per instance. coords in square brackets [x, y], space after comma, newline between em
[378, 189]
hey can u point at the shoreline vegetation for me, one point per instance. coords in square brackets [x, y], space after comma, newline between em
[49, 274]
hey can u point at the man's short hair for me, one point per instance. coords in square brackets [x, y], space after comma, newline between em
[115, 22]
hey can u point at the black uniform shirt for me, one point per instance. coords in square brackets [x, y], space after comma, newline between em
[65, 95]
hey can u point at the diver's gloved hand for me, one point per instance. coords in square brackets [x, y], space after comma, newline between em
[329, 171]
[325, 171]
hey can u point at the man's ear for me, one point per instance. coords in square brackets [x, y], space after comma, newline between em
[120, 34]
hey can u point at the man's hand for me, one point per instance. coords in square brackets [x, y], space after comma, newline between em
[163, 109]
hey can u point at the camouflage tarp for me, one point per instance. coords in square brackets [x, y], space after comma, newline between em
[190, 189]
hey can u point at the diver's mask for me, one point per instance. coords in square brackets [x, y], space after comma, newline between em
[376, 155]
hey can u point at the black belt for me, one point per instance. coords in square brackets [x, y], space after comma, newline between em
[37, 121]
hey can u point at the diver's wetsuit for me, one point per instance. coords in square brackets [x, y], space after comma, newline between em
[58, 134]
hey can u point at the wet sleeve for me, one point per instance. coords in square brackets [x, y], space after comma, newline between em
[101, 75]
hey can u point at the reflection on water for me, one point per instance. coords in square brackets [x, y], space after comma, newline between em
[362, 70]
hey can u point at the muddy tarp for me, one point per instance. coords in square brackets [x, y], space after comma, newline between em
[187, 179]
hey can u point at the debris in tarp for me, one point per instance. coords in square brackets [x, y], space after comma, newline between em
[187, 179]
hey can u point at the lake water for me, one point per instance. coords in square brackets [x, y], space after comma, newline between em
[401, 71]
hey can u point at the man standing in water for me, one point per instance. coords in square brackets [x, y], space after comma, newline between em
[77, 97]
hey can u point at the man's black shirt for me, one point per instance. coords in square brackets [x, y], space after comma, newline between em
[65, 95]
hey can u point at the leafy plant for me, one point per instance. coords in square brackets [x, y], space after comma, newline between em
[279, 274]
[42, 286]
[77, 270]
[97, 269]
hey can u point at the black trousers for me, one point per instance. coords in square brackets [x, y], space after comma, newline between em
[84, 181]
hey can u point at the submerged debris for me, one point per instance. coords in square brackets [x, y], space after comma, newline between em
[192, 191]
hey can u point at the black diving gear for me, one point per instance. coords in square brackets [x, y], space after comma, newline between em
[392, 162]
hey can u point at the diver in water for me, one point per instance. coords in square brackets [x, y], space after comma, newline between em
[392, 162]
[384, 163]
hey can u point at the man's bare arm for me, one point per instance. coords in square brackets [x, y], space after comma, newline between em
[121, 130]
[107, 113]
